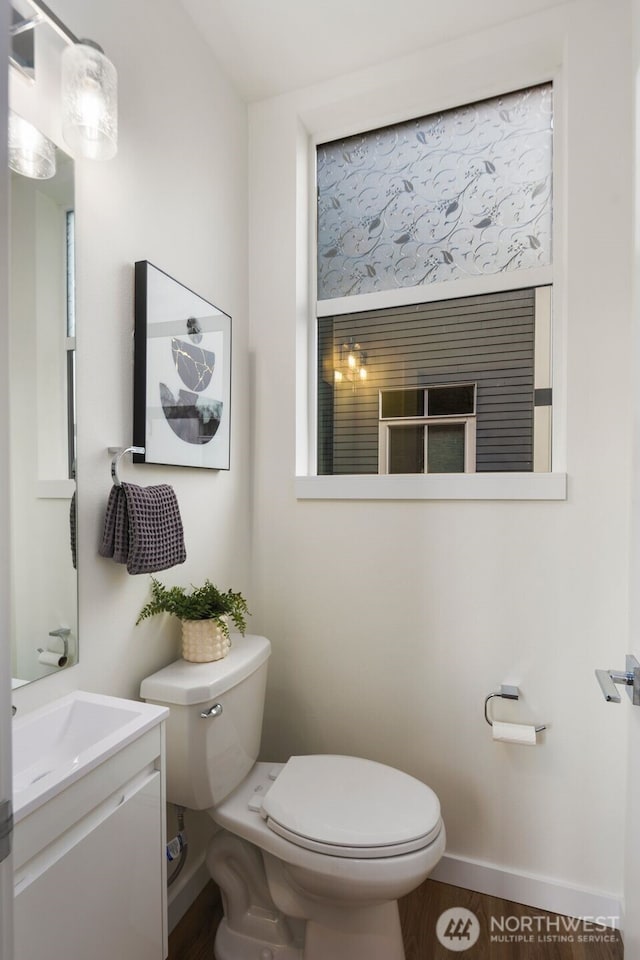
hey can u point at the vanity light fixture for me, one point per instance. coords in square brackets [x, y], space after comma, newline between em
[89, 86]
[30, 152]
[89, 101]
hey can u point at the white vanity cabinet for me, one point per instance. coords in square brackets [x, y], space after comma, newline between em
[90, 864]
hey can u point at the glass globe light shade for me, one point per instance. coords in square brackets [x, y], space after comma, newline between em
[89, 102]
[30, 152]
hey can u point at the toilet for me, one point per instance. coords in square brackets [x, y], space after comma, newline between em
[313, 853]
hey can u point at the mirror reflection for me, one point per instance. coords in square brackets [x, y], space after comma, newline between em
[42, 423]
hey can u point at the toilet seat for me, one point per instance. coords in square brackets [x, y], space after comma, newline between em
[350, 807]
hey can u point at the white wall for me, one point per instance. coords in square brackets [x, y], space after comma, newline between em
[391, 621]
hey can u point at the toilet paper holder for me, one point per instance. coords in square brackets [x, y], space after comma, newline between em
[61, 634]
[506, 692]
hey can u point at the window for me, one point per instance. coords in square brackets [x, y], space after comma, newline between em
[427, 431]
[415, 378]
[70, 340]
[467, 192]
[484, 361]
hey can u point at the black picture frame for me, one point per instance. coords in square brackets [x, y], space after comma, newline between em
[182, 374]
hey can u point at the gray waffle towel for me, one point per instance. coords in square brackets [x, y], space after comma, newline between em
[115, 536]
[143, 528]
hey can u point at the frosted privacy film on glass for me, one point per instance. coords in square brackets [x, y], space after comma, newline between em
[463, 193]
[445, 448]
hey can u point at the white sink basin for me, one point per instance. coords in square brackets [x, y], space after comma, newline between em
[57, 744]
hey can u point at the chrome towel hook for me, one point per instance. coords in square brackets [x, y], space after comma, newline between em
[118, 453]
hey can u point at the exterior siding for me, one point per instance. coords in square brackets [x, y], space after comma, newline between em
[487, 340]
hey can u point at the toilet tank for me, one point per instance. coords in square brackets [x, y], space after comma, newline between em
[207, 757]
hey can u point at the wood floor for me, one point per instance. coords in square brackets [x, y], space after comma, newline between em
[193, 937]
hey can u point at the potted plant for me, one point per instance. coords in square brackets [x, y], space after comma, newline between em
[205, 613]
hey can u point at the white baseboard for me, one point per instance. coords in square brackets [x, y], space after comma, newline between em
[529, 890]
[532, 891]
[186, 889]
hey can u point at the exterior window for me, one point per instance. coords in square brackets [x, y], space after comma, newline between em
[453, 386]
[425, 431]
[412, 377]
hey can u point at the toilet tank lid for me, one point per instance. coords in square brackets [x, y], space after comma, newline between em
[187, 683]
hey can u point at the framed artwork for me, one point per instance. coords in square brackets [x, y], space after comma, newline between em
[182, 374]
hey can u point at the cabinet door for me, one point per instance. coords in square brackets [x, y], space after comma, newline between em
[99, 896]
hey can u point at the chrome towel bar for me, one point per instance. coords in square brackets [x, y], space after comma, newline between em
[117, 454]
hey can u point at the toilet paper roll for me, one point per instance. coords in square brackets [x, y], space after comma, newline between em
[515, 733]
[52, 659]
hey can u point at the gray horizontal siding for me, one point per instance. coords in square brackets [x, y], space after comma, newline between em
[486, 340]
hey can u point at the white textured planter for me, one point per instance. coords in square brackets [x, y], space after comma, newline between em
[203, 641]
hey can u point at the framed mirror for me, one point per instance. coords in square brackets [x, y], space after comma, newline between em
[42, 423]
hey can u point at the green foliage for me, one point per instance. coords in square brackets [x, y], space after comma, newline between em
[202, 603]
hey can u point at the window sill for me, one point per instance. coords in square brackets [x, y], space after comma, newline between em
[463, 486]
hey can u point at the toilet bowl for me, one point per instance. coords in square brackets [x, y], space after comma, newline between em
[312, 854]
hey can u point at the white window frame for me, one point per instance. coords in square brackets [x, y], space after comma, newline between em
[336, 121]
[425, 390]
[62, 488]
[426, 420]
[385, 425]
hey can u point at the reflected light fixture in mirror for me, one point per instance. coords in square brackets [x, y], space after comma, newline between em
[30, 152]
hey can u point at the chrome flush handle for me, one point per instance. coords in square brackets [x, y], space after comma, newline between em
[213, 711]
[629, 678]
